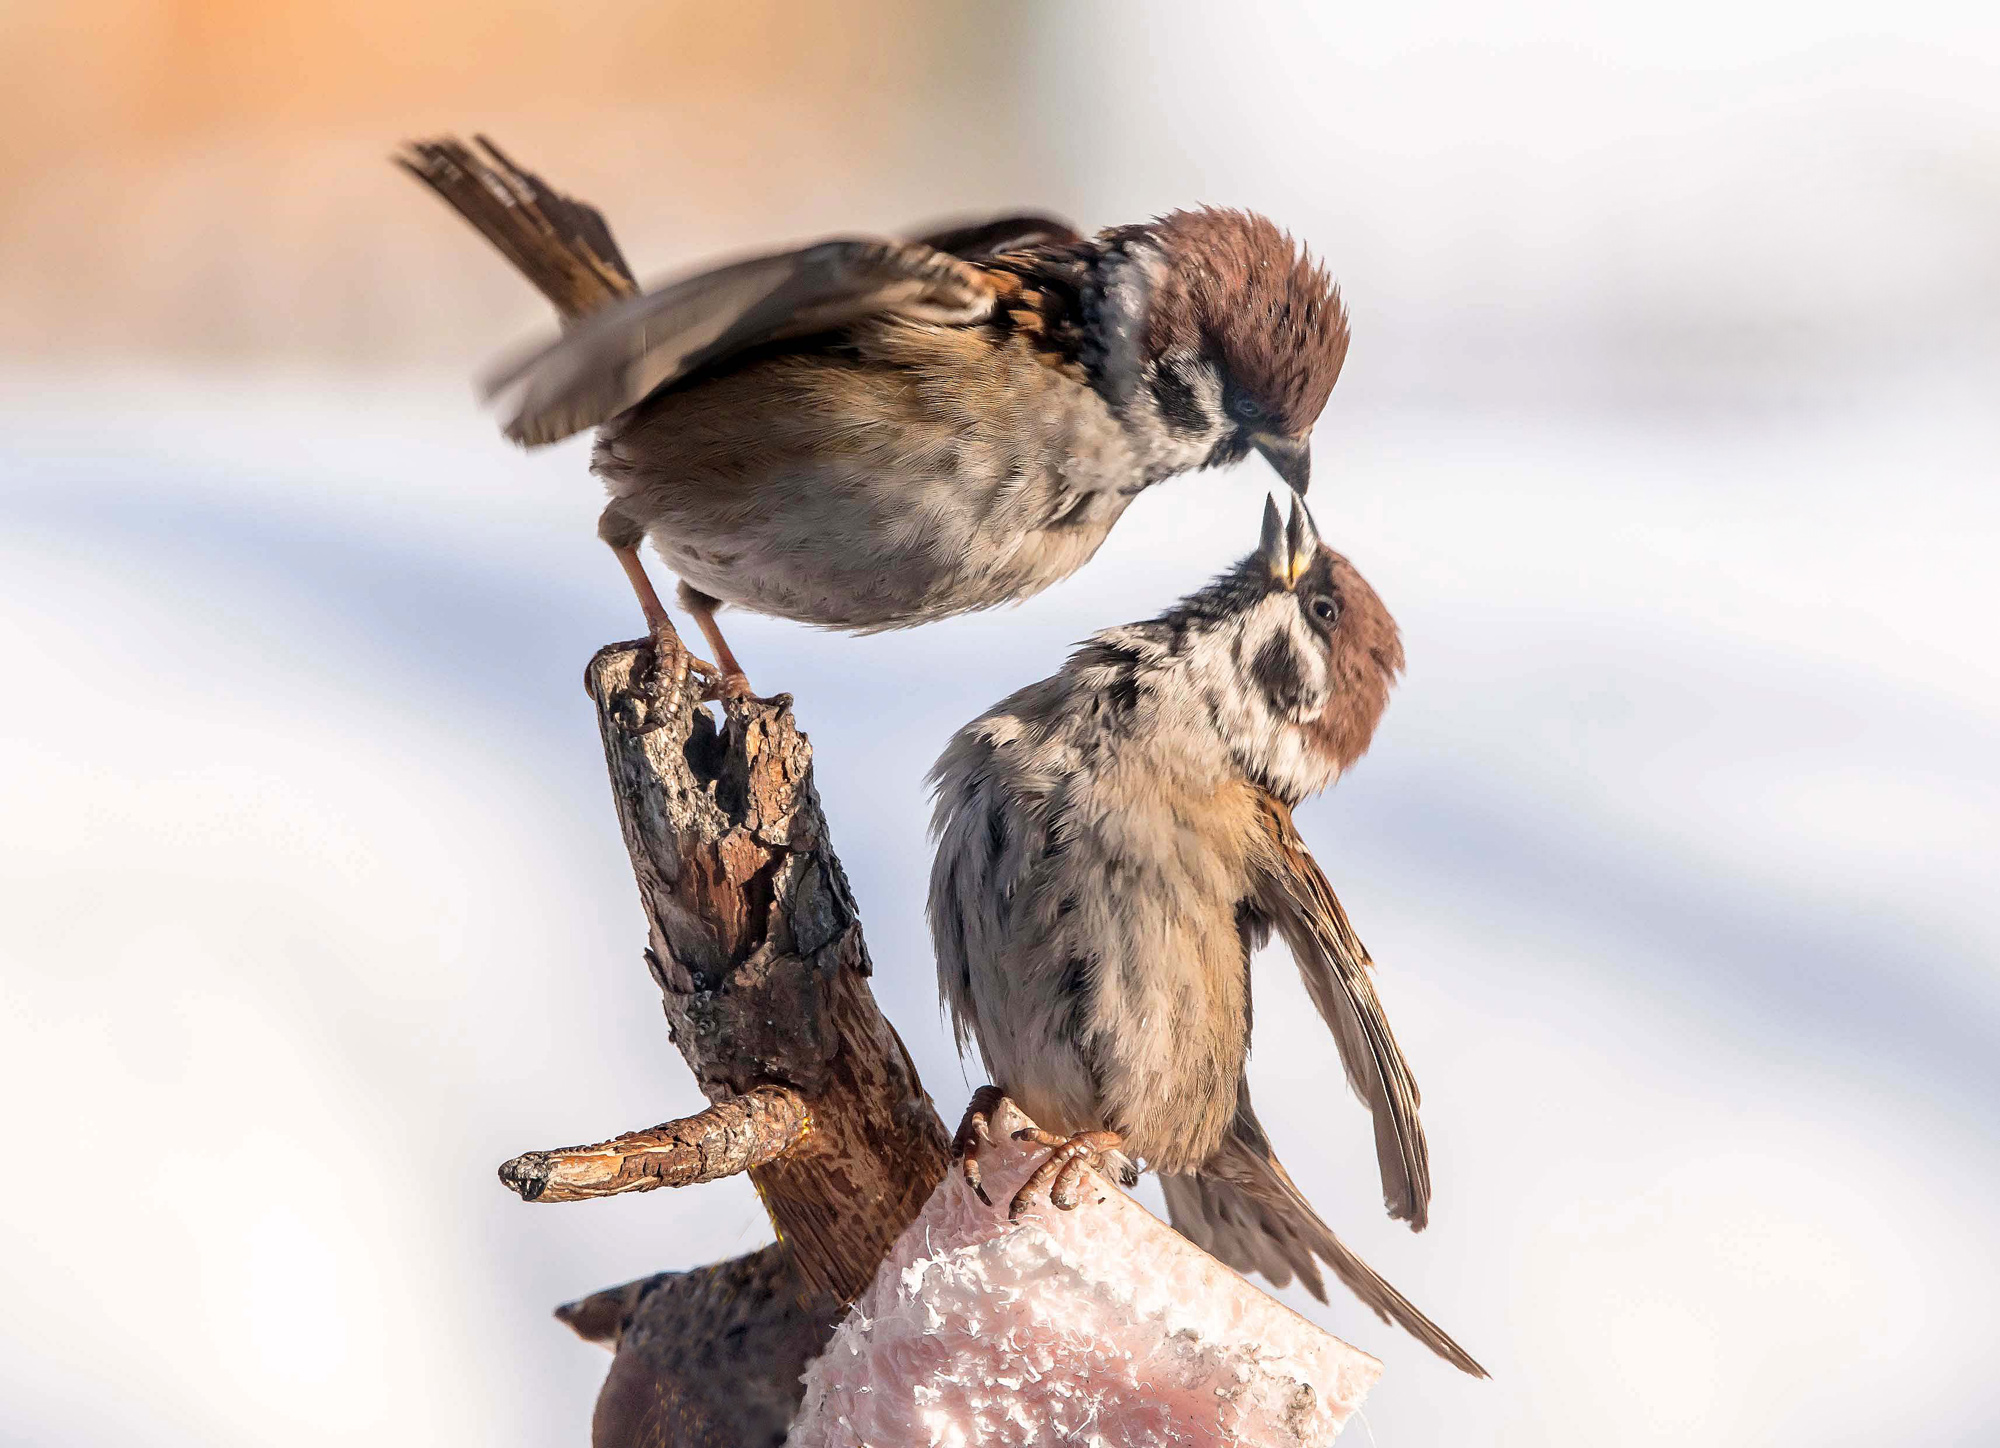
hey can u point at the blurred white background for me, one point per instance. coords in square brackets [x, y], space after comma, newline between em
[1669, 432]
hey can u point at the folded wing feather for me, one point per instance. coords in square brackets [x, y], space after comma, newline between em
[617, 357]
[1295, 894]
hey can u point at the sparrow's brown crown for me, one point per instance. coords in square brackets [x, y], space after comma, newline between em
[1240, 288]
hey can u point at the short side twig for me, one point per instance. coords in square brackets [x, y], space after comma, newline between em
[729, 1137]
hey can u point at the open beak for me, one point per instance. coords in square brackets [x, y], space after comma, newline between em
[1290, 457]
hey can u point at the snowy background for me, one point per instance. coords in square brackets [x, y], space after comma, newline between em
[1669, 433]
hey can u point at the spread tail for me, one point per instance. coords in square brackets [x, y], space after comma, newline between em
[560, 244]
[1242, 1209]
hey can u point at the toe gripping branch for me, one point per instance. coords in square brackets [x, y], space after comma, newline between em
[1060, 1176]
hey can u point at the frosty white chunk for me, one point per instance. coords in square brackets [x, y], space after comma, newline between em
[1097, 1326]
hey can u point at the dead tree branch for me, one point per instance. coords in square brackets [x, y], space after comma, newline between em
[756, 946]
[706, 1358]
[755, 943]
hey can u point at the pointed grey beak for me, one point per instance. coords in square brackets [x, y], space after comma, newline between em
[1289, 457]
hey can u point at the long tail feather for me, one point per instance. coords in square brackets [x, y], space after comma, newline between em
[1243, 1209]
[560, 244]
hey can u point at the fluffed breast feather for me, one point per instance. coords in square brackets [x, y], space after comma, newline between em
[1001, 812]
[1004, 975]
[1083, 909]
[1296, 896]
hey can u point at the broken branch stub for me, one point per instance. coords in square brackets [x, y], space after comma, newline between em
[731, 1136]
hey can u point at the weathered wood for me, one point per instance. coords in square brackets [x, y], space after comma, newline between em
[756, 946]
[731, 1136]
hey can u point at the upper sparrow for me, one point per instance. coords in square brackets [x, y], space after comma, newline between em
[867, 434]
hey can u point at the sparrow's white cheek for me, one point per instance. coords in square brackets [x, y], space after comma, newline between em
[1317, 686]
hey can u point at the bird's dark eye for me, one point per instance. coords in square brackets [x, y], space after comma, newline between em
[1325, 610]
[1244, 407]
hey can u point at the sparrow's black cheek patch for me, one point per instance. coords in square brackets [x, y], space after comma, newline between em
[1276, 671]
[1232, 448]
[1180, 409]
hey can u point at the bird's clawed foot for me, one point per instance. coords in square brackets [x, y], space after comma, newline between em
[676, 668]
[1061, 1176]
[972, 1131]
[730, 684]
[729, 688]
[674, 665]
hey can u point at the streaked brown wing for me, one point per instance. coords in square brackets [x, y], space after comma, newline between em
[615, 358]
[1295, 894]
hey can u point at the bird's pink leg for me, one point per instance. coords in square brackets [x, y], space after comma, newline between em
[1061, 1176]
[733, 683]
[672, 661]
